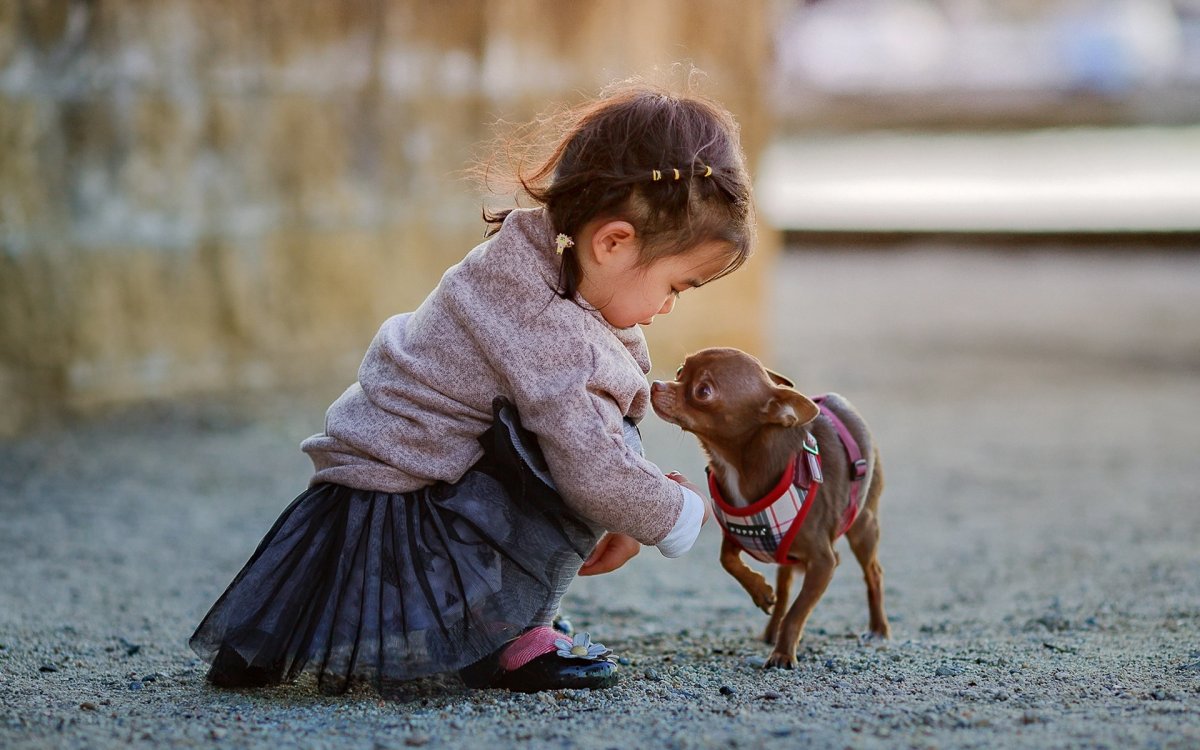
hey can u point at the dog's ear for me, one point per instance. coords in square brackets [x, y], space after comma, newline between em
[788, 408]
[778, 379]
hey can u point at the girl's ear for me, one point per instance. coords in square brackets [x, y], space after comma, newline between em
[614, 240]
[788, 408]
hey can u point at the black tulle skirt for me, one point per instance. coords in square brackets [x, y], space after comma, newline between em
[352, 584]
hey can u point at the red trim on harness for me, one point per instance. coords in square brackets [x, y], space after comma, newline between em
[781, 487]
[790, 477]
[785, 542]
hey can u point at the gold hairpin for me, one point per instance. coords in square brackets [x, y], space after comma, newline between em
[656, 174]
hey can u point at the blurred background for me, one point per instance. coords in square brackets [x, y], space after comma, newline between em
[1053, 116]
[978, 221]
[217, 196]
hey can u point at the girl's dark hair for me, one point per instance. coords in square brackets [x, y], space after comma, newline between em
[602, 160]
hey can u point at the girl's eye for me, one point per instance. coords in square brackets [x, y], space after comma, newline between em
[703, 392]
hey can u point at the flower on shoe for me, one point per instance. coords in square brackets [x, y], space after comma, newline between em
[581, 647]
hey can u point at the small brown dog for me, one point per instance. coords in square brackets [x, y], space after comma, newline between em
[788, 477]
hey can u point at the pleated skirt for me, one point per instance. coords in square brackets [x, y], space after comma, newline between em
[351, 584]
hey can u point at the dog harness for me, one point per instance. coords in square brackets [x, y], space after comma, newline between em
[765, 528]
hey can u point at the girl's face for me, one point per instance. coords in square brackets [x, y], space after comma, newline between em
[628, 293]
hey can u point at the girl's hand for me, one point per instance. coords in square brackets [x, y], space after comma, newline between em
[612, 551]
[678, 478]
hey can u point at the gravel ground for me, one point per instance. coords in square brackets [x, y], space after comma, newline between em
[1039, 415]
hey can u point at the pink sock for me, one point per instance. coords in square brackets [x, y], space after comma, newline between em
[528, 647]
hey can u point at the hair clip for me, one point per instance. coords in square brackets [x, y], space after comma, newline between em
[676, 171]
[707, 171]
[655, 175]
[562, 242]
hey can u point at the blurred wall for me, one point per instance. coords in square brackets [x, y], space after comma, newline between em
[201, 195]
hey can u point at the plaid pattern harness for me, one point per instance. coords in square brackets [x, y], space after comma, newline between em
[765, 528]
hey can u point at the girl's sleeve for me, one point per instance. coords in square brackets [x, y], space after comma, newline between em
[571, 398]
[687, 528]
[579, 428]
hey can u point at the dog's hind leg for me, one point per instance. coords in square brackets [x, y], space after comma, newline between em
[783, 590]
[864, 541]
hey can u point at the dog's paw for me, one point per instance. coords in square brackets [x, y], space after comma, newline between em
[763, 596]
[877, 636]
[780, 660]
[766, 602]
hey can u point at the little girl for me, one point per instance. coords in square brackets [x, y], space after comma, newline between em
[488, 449]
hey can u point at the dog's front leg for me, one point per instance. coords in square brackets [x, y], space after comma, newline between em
[754, 583]
[817, 576]
[783, 589]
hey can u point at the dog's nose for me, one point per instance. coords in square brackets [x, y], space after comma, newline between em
[658, 385]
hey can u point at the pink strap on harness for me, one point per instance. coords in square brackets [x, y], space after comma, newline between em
[857, 463]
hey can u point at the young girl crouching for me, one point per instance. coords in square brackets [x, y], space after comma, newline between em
[488, 449]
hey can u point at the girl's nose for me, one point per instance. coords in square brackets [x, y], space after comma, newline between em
[667, 306]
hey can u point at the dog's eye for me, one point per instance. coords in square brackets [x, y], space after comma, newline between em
[703, 392]
[679, 372]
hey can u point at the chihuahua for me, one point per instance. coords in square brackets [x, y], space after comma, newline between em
[788, 475]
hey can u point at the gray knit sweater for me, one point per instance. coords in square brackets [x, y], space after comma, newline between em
[494, 327]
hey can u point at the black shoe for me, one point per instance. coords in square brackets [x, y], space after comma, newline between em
[483, 673]
[553, 672]
[230, 670]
